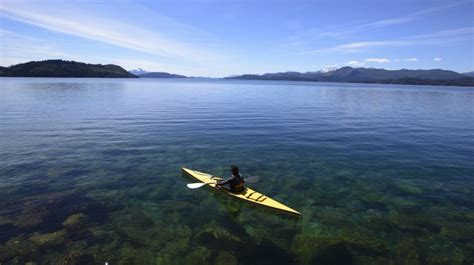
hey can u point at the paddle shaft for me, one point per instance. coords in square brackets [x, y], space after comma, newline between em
[198, 185]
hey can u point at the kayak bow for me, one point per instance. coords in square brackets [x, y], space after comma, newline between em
[248, 194]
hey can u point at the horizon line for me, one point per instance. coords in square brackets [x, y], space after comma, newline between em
[285, 71]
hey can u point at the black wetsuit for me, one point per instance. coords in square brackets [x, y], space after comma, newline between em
[236, 183]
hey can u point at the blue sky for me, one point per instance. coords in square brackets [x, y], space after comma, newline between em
[220, 38]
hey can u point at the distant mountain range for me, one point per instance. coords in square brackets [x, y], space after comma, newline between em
[160, 75]
[471, 74]
[60, 68]
[371, 75]
[146, 74]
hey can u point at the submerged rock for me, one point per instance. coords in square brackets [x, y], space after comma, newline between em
[373, 201]
[258, 233]
[4, 221]
[140, 219]
[50, 239]
[29, 218]
[403, 203]
[16, 261]
[458, 231]
[333, 254]
[159, 193]
[408, 188]
[199, 256]
[408, 252]
[311, 238]
[454, 256]
[75, 224]
[221, 233]
[218, 236]
[172, 252]
[19, 247]
[135, 256]
[174, 206]
[332, 216]
[141, 230]
[225, 258]
[367, 245]
[321, 245]
[74, 220]
[32, 211]
[77, 258]
[415, 222]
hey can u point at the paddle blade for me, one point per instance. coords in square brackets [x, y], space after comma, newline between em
[196, 185]
[252, 179]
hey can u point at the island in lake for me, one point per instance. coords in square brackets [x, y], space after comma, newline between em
[61, 68]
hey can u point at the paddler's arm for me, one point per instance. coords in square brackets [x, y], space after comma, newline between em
[223, 182]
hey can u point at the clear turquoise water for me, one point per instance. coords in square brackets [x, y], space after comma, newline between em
[90, 172]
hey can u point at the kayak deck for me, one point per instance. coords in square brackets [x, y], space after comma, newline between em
[248, 194]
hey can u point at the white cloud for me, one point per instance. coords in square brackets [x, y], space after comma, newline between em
[437, 59]
[447, 33]
[436, 38]
[169, 40]
[411, 60]
[355, 63]
[396, 60]
[386, 22]
[355, 47]
[407, 18]
[343, 32]
[17, 48]
[377, 60]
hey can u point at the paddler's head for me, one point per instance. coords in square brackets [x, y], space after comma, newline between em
[235, 170]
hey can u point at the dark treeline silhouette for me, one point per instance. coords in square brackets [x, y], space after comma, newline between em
[61, 68]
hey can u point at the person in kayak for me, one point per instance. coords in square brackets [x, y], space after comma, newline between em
[235, 183]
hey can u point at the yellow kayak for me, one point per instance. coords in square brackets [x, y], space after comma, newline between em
[248, 194]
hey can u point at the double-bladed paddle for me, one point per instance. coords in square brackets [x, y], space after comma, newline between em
[198, 185]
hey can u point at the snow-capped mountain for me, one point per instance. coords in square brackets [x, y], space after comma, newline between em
[138, 71]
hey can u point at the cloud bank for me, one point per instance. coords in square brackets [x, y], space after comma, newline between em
[378, 60]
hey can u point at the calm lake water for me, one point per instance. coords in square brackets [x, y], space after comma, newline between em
[90, 172]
